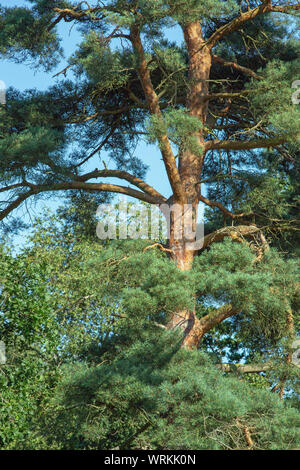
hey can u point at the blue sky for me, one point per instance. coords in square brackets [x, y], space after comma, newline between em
[23, 76]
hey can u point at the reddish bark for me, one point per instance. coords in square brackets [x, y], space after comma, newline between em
[182, 230]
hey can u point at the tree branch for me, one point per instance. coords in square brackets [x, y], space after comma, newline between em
[249, 368]
[238, 232]
[141, 184]
[111, 112]
[104, 141]
[16, 203]
[221, 207]
[112, 188]
[265, 7]
[13, 186]
[215, 317]
[234, 65]
[244, 145]
[68, 15]
[153, 104]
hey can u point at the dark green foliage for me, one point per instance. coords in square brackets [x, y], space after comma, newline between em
[272, 97]
[24, 33]
[153, 395]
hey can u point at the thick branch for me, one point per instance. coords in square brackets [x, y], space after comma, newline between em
[153, 104]
[125, 176]
[215, 317]
[265, 7]
[244, 145]
[195, 328]
[238, 233]
[112, 188]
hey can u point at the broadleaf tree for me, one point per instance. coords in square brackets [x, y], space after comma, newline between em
[221, 109]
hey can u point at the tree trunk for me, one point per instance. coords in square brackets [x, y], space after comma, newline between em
[182, 229]
[183, 220]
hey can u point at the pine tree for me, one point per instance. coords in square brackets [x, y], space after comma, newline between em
[219, 108]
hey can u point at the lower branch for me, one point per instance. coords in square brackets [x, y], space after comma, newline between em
[245, 368]
[238, 233]
[194, 328]
[101, 187]
[251, 369]
[215, 317]
[160, 246]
